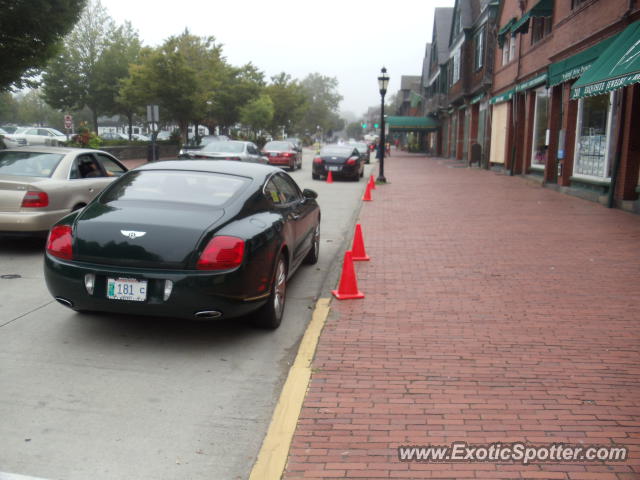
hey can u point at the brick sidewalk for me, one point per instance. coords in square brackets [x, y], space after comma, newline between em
[495, 310]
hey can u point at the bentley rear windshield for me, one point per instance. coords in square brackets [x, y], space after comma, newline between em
[202, 188]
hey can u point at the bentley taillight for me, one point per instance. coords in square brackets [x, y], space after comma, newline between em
[221, 253]
[60, 242]
[351, 161]
[317, 160]
[34, 199]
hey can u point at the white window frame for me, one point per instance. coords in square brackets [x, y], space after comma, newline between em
[512, 47]
[505, 52]
[479, 49]
[609, 128]
[456, 67]
[535, 122]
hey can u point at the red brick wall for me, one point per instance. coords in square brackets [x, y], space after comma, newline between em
[573, 30]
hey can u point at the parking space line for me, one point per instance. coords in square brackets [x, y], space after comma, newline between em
[273, 454]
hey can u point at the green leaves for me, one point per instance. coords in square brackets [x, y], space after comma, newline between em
[30, 34]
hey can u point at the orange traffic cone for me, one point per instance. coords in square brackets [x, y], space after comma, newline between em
[348, 287]
[367, 194]
[329, 178]
[358, 251]
[372, 182]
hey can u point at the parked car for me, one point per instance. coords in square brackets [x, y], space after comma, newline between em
[114, 136]
[296, 142]
[138, 137]
[340, 160]
[283, 153]
[9, 141]
[187, 150]
[40, 136]
[186, 239]
[229, 150]
[40, 185]
[363, 150]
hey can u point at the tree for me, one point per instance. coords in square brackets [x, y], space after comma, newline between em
[323, 100]
[258, 113]
[71, 80]
[8, 108]
[354, 130]
[289, 102]
[121, 50]
[30, 34]
[240, 85]
[163, 77]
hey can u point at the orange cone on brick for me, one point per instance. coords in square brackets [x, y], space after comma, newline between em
[348, 287]
[358, 252]
[372, 182]
[329, 178]
[367, 194]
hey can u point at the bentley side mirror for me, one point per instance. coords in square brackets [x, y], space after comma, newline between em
[308, 193]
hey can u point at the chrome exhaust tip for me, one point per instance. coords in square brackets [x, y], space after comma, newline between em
[208, 315]
[65, 302]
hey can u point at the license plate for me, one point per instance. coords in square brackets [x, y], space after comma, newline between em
[127, 289]
[334, 169]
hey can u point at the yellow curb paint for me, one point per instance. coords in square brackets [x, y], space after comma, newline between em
[273, 454]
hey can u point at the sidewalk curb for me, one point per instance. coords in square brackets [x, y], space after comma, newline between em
[273, 454]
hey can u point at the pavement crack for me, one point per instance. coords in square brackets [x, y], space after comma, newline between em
[25, 314]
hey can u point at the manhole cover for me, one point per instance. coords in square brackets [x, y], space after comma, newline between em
[10, 276]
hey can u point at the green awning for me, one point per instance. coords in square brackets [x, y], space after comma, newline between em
[544, 8]
[412, 123]
[574, 66]
[504, 30]
[532, 82]
[477, 98]
[503, 97]
[616, 67]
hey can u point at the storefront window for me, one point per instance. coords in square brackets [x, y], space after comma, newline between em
[445, 137]
[482, 115]
[540, 124]
[465, 135]
[454, 134]
[592, 137]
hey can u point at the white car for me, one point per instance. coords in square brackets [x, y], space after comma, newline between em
[40, 136]
[10, 142]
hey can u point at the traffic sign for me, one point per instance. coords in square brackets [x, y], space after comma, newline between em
[68, 121]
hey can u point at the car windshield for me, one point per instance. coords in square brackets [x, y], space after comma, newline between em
[56, 132]
[336, 150]
[278, 146]
[223, 147]
[28, 164]
[201, 188]
[22, 130]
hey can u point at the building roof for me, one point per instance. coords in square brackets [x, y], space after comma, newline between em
[410, 82]
[441, 31]
[469, 11]
[426, 62]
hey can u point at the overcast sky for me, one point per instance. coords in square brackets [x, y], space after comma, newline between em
[347, 39]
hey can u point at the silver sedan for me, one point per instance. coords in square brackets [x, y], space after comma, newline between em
[40, 185]
[229, 150]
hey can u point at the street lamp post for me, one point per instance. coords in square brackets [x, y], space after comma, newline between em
[383, 83]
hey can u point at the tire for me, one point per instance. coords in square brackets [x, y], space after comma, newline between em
[313, 255]
[270, 315]
[315, 176]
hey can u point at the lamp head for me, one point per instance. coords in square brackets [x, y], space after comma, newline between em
[383, 81]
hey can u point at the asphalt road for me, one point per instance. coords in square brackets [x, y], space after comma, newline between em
[115, 397]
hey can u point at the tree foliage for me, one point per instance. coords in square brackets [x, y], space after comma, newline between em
[323, 101]
[289, 102]
[30, 34]
[72, 79]
[258, 113]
